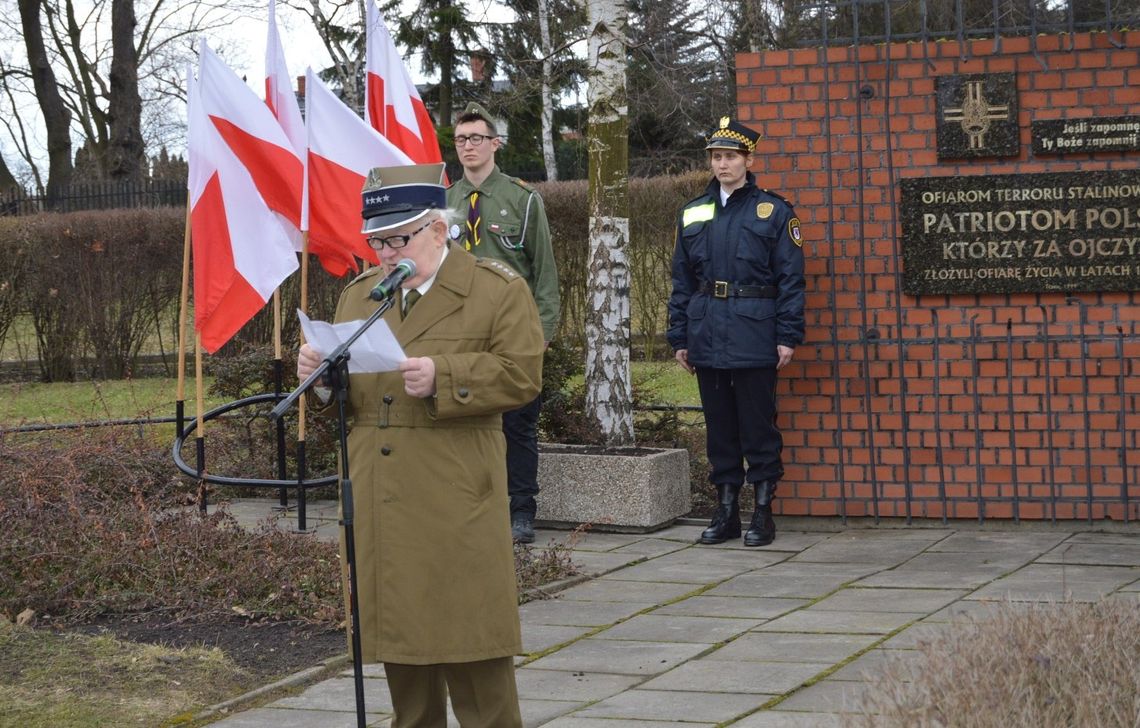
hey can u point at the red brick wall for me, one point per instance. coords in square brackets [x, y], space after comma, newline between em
[864, 419]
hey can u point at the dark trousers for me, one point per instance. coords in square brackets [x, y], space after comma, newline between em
[740, 421]
[520, 427]
[483, 694]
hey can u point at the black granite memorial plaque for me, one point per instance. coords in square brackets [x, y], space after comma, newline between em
[1081, 136]
[977, 116]
[1065, 231]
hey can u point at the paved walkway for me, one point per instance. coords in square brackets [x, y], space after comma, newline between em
[670, 634]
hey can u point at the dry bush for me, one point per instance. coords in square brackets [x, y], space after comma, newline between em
[96, 523]
[1042, 665]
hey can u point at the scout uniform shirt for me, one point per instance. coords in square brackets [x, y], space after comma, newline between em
[511, 226]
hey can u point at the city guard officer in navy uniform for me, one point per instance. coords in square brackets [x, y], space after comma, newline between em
[736, 315]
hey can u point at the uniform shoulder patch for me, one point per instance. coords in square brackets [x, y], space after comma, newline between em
[502, 269]
[794, 232]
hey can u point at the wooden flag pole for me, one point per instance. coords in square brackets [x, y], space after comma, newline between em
[183, 304]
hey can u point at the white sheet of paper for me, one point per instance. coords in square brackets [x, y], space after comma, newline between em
[376, 351]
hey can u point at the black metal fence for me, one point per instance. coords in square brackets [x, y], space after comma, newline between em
[97, 196]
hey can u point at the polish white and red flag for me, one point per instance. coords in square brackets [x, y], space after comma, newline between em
[281, 100]
[392, 105]
[244, 175]
[342, 149]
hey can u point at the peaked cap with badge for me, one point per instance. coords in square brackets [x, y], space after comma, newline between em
[731, 134]
[393, 196]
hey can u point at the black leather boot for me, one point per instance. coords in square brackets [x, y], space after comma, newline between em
[762, 530]
[726, 521]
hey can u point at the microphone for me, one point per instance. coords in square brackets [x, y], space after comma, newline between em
[386, 288]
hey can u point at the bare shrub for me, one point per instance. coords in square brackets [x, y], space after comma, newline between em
[94, 523]
[1041, 665]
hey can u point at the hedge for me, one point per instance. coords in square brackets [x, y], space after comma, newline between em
[96, 290]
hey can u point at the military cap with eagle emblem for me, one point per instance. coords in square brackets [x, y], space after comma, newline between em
[733, 135]
[393, 196]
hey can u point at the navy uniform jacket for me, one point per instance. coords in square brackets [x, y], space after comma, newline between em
[753, 240]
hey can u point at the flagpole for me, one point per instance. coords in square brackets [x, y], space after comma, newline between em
[278, 388]
[183, 303]
[301, 464]
[200, 466]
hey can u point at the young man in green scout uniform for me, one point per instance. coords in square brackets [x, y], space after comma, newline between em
[505, 220]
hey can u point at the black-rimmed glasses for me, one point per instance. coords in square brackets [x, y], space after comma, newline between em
[475, 139]
[395, 241]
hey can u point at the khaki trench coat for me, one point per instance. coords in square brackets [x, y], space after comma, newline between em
[434, 559]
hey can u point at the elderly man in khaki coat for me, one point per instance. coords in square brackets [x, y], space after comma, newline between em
[435, 564]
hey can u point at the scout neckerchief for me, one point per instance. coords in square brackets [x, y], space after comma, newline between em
[472, 221]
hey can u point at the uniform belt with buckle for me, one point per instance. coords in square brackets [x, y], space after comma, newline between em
[725, 289]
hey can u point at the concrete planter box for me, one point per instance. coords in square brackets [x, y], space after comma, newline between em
[635, 491]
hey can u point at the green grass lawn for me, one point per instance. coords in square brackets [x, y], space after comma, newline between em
[24, 403]
[35, 403]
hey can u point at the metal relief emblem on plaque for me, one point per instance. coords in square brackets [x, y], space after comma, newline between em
[977, 116]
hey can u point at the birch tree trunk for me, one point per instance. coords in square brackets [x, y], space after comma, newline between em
[609, 398]
[548, 158]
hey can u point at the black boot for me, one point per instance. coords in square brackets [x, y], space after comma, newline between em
[726, 521]
[762, 530]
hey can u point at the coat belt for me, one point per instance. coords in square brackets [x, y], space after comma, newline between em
[726, 289]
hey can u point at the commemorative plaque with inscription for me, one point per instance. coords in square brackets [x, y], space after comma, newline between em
[977, 116]
[1081, 136]
[1068, 231]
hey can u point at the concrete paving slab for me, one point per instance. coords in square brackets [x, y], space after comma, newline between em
[828, 696]
[374, 669]
[992, 542]
[1105, 554]
[536, 684]
[718, 676]
[976, 609]
[579, 613]
[1055, 582]
[882, 550]
[784, 647]
[542, 637]
[595, 540]
[339, 694]
[620, 657]
[765, 584]
[681, 532]
[875, 662]
[288, 718]
[680, 706]
[789, 719]
[984, 559]
[700, 568]
[537, 713]
[887, 599]
[913, 637]
[608, 589]
[704, 605]
[651, 547]
[812, 620]
[598, 563]
[965, 576]
[1107, 537]
[665, 628]
[577, 722]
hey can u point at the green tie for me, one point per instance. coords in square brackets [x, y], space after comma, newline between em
[410, 298]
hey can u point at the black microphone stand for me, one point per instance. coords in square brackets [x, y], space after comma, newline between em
[334, 369]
